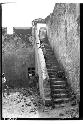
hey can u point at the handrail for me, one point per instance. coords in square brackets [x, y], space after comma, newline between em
[41, 66]
[41, 57]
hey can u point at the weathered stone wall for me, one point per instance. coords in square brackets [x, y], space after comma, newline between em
[16, 58]
[63, 29]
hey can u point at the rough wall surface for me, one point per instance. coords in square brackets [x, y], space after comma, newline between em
[63, 29]
[16, 58]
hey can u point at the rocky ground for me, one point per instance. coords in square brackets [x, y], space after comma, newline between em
[26, 103]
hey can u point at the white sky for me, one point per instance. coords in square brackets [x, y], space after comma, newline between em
[21, 13]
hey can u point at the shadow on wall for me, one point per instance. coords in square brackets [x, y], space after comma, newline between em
[15, 65]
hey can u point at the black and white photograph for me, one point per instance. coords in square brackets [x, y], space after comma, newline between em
[40, 71]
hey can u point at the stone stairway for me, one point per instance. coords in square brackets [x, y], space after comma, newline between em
[61, 92]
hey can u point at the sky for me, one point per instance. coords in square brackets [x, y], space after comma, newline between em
[22, 12]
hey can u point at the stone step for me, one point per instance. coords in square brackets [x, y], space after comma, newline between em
[58, 90]
[61, 74]
[61, 100]
[54, 76]
[51, 54]
[53, 79]
[52, 73]
[60, 105]
[57, 87]
[52, 70]
[62, 95]
[52, 66]
[47, 45]
[49, 63]
[56, 73]
[48, 48]
[58, 82]
[50, 58]
[57, 78]
[52, 63]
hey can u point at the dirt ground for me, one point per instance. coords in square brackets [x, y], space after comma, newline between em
[26, 103]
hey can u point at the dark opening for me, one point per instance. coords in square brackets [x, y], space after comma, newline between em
[31, 70]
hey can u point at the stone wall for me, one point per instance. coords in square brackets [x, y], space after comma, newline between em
[16, 58]
[63, 29]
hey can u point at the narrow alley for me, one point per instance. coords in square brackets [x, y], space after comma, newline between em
[41, 67]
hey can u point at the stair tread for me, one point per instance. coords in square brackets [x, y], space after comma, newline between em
[58, 82]
[49, 53]
[50, 58]
[60, 94]
[48, 63]
[52, 78]
[47, 49]
[54, 85]
[53, 68]
[59, 105]
[59, 89]
[56, 79]
[52, 73]
[60, 99]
